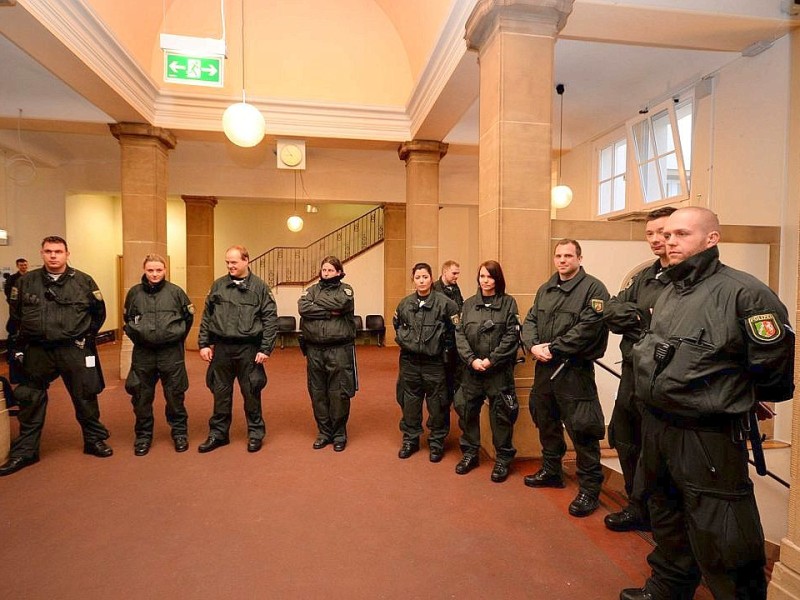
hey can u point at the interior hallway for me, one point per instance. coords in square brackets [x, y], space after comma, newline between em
[291, 522]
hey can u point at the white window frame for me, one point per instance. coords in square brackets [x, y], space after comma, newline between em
[599, 145]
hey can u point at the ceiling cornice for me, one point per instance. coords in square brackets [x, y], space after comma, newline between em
[77, 26]
[444, 59]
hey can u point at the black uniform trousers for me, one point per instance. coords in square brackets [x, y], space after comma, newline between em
[571, 398]
[453, 373]
[148, 365]
[422, 378]
[702, 510]
[625, 434]
[498, 386]
[41, 366]
[236, 362]
[331, 380]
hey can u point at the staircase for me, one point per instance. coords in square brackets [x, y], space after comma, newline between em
[300, 265]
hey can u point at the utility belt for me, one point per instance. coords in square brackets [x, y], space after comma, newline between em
[333, 344]
[572, 363]
[53, 344]
[721, 423]
[239, 341]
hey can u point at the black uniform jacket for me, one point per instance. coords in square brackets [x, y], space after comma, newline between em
[629, 312]
[569, 317]
[489, 331]
[425, 328]
[327, 310]
[158, 314]
[451, 291]
[240, 313]
[67, 309]
[719, 341]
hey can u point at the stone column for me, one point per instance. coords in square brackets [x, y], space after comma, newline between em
[785, 582]
[422, 159]
[199, 256]
[144, 204]
[515, 40]
[395, 275]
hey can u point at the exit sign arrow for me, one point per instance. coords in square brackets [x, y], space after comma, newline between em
[193, 70]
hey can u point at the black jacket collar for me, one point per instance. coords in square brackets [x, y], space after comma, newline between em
[694, 269]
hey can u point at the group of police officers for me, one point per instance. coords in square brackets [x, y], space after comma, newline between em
[702, 345]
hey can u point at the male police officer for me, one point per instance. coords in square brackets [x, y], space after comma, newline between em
[237, 335]
[628, 313]
[447, 284]
[12, 326]
[59, 310]
[158, 316]
[719, 341]
[564, 331]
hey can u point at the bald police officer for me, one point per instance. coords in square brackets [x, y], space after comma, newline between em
[59, 310]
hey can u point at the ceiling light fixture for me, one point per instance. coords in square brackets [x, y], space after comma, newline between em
[295, 222]
[242, 122]
[20, 168]
[560, 195]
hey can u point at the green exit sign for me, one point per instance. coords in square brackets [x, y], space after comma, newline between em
[193, 70]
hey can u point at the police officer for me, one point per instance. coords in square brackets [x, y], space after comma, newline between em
[487, 339]
[564, 331]
[237, 335]
[12, 326]
[59, 310]
[158, 316]
[628, 314]
[447, 284]
[423, 322]
[329, 333]
[719, 342]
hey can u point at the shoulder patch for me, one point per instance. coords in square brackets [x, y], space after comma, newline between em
[348, 291]
[597, 305]
[190, 309]
[14, 293]
[764, 328]
[455, 319]
[97, 295]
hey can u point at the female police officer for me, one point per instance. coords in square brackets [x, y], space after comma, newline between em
[329, 331]
[424, 322]
[487, 340]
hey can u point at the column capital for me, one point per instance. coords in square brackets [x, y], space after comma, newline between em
[144, 130]
[532, 17]
[199, 200]
[425, 149]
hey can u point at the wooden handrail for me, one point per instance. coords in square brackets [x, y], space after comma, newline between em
[300, 265]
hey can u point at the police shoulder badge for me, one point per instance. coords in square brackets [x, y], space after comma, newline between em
[97, 295]
[190, 309]
[348, 291]
[597, 305]
[14, 293]
[455, 319]
[764, 328]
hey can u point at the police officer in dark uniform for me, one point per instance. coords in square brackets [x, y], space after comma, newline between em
[487, 339]
[329, 333]
[628, 314]
[59, 310]
[447, 284]
[424, 323]
[564, 331]
[237, 335]
[12, 326]
[158, 316]
[719, 342]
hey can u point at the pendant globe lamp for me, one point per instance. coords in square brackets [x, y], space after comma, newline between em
[295, 222]
[560, 195]
[242, 123]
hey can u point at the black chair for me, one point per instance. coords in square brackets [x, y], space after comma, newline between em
[375, 324]
[359, 323]
[286, 325]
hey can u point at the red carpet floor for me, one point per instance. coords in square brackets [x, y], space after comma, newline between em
[290, 522]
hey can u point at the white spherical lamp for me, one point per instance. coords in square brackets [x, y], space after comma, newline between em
[294, 223]
[560, 196]
[243, 124]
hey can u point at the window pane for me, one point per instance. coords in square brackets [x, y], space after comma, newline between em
[651, 186]
[605, 163]
[683, 114]
[604, 198]
[620, 151]
[619, 194]
[641, 137]
[662, 131]
[670, 177]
